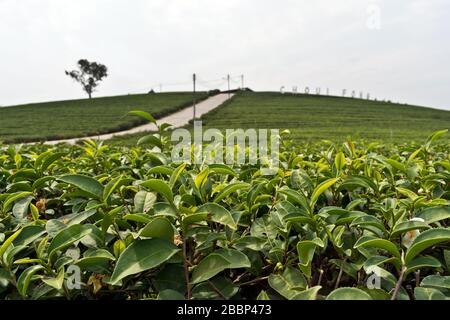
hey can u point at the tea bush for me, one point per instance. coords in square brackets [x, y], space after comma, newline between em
[333, 219]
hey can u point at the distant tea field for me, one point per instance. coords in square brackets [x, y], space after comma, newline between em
[312, 118]
[76, 118]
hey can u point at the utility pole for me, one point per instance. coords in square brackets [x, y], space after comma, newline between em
[242, 82]
[194, 78]
[228, 79]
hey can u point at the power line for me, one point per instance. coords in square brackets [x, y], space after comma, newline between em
[211, 84]
[207, 83]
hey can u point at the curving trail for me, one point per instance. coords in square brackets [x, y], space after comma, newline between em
[177, 119]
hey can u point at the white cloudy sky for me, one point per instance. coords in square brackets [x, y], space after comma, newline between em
[273, 43]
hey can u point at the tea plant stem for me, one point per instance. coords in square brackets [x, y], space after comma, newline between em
[286, 245]
[320, 277]
[399, 283]
[338, 280]
[417, 274]
[359, 280]
[254, 281]
[275, 196]
[341, 271]
[410, 292]
[186, 271]
[240, 277]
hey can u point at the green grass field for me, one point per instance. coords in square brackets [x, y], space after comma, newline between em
[74, 118]
[313, 118]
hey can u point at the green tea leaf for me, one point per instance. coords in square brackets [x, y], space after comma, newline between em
[437, 282]
[428, 294]
[218, 261]
[218, 214]
[369, 241]
[425, 240]
[26, 277]
[308, 294]
[229, 189]
[68, 236]
[111, 187]
[290, 283]
[348, 294]
[406, 226]
[176, 174]
[143, 114]
[321, 189]
[339, 161]
[85, 183]
[150, 139]
[159, 186]
[5, 245]
[158, 227]
[142, 255]
[432, 215]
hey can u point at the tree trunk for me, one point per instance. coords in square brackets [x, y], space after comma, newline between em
[90, 95]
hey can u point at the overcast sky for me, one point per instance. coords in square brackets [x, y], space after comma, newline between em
[394, 49]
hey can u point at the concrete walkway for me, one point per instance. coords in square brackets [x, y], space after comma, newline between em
[177, 119]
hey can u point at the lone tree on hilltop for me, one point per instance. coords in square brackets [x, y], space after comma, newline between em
[89, 75]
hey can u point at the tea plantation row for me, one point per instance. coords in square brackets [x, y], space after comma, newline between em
[337, 221]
